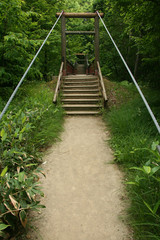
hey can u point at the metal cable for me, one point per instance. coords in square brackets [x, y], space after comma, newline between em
[136, 84]
[20, 82]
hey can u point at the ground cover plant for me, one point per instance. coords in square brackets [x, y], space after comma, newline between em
[31, 123]
[134, 139]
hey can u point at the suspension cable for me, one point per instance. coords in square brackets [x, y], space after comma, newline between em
[130, 73]
[20, 82]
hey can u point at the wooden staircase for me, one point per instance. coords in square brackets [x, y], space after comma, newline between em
[81, 95]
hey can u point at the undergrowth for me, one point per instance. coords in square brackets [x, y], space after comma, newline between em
[134, 139]
[31, 124]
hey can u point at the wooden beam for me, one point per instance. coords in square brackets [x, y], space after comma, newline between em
[102, 83]
[58, 83]
[80, 15]
[96, 41]
[80, 32]
[63, 42]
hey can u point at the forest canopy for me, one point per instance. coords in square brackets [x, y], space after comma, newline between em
[134, 24]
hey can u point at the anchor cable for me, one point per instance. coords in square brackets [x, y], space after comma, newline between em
[134, 80]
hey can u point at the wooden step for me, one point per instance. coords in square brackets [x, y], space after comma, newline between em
[80, 87]
[80, 101]
[81, 96]
[68, 83]
[82, 112]
[83, 91]
[79, 79]
[81, 105]
[80, 76]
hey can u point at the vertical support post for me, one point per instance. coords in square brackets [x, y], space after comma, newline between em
[63, 42]
[96, 43]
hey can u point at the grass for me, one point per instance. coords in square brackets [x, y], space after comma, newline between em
[132, 135]
[36, 98]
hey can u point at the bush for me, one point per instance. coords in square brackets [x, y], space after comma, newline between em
[31, 123]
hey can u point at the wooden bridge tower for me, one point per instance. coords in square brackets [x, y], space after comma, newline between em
[82, 91]
[64, 33]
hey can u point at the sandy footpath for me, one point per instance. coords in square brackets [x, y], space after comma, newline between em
[83, 189]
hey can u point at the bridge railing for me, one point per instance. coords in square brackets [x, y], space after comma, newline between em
[70, 68]
[91, 68]
[58, 83]
[103, 90]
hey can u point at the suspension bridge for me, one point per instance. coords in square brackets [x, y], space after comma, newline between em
[81, 84]
[82, 87]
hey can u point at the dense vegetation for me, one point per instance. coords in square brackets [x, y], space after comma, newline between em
[135, 26]
[31, 123]
[134, 139]
[26, 127]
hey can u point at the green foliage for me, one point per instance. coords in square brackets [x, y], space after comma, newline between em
[134, 140]
[132, 127]
[135, 28]
[145, 195]
[23, 132]
[23, 27]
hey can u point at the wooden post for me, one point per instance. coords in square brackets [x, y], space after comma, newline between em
[96, 43]
[63, 42]
[64, 33]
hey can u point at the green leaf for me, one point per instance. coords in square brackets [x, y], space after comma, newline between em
[4, 171]
[154, 145]
[31, 164]
[38, 206]
[3, 135]
[5, 153]
[2, 132]
[21, 176]
[155, 169]
[148, 163]
[24, 119]
[20, 136]
[23, 129]
[147, 169]
[23, 218]
[156, 207]
[3, 226]
[147, 205]
[132, 183]
[137, 168]
[16, 132]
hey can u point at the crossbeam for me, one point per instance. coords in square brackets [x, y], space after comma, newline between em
[79, 15]
[80, 32]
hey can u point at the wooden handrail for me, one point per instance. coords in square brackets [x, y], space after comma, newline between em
[102, 83]
[58, 83]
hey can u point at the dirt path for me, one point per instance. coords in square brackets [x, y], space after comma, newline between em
[83, 190]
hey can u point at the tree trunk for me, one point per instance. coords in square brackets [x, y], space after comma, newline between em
[136, 63]
[129, 48]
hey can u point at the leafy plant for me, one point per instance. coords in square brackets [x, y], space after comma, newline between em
[134, 139]
[23, 132]
[147, 189]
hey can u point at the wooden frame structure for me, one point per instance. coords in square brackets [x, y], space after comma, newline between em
[64, 33]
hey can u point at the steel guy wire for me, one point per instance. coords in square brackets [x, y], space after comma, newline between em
[134, 80]
[30, 65]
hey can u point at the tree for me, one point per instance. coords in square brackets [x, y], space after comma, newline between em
[135, 26]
